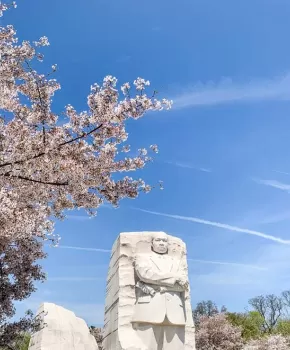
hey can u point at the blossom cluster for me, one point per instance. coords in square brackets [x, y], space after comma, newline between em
[216, 333]
[51, 163]
[272, 342]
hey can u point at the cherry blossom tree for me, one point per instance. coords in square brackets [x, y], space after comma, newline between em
[97, 333]
[272, 342]
[51, 163]
[216, 333]
[18, 272]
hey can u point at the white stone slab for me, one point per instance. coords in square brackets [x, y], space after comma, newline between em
[127, 323]
[62, 330]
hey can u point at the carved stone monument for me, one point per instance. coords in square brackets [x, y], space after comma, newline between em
[147, 298]
[62, 330]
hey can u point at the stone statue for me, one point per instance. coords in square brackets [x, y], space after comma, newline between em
[62, 330]
[147, 296]
[160, 312]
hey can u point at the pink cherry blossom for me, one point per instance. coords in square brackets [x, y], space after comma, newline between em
[49, 162]
[272, 342]
[216, 333]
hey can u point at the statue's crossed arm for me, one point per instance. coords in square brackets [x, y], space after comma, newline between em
[159, 280]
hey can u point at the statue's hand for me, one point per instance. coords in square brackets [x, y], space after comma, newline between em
[183, 282]
[145, 288]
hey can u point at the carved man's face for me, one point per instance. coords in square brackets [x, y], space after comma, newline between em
[160, 244]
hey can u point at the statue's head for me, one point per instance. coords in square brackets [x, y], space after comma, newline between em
[160, 242]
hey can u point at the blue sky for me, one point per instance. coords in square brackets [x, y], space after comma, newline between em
[224, 147]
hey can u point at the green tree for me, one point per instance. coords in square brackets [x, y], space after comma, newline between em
[21, 343]
[251, 323]
[283, 328]
[25, 342]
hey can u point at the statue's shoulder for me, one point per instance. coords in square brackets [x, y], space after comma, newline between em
[143, 256]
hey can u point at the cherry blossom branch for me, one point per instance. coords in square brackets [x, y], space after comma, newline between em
[85, 134]
[39, 96]
[43, 182]
[22, 161]
[37, 181]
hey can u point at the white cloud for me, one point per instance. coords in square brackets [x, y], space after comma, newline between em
[189, 166]
[275, 277]
[273, 183]
[100, 250]
[234, 286]
[227, 91]
[281, 172]
[264, 216]
[233, 264]
[224, 278]
[219, 225]
[275, 218]
[206, 170]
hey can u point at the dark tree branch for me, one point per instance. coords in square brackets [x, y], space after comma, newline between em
[40, 99]
[83, 135]
[37, 181]
[270, 307]
[9, 347]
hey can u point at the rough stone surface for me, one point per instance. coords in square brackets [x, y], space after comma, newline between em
[62, 330]
[125, 311]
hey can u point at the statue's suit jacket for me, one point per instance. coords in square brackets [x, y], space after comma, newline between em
[162, 271]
